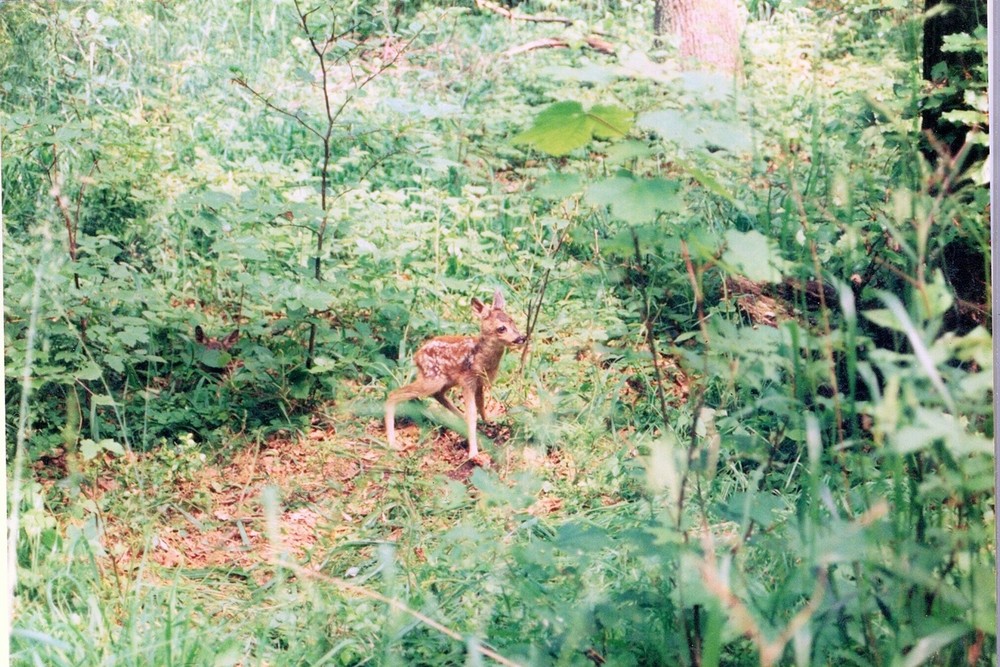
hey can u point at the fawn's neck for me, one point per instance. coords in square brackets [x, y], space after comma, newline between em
[486, 355]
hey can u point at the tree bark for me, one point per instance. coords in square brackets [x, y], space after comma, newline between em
[708, 31]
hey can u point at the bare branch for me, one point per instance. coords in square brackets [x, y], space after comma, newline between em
[273, 107]
[593, 41]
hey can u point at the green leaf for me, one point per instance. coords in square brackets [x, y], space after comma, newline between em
[931, 426]
[214, 358]
[625, 151]
[131, 336]
[578, 538]
[316, 299]
[566, 126]
[89, 449]
[635, 200]
[753, 255]
[929, 647]
[112, 446]
[610, 122]
[960, 43]
[89, 372]
[884, 318]
[558, 186]
[116, 362]
[920, 350]
[710, 183]
[691, 130]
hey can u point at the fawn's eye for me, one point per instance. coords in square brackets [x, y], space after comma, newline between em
[501, 329]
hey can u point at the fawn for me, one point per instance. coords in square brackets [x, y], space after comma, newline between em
[460, 361]
[215, 343]
[222, 345]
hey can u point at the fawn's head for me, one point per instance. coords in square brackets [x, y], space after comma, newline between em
[215, 343]
[495, 322]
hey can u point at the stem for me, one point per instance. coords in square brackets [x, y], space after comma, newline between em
[648, 324]
[535, 306]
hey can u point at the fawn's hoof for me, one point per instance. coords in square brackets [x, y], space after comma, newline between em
[482, 459]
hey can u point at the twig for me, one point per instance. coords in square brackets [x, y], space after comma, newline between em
[650, 338]
[535, 307]
[239, 81]
[593, 41]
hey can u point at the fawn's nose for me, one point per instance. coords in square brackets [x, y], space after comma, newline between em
[520, 340]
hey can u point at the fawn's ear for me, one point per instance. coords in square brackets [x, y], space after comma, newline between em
[199, 334]
[231, 339]
[498, 302]
[479, 308]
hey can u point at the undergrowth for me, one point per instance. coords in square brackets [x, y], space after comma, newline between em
[753, 424]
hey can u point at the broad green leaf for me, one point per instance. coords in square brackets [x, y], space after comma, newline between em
[669, 124]
[112, 446]
[575, 537]
[624, 151]
[691, 130]
[214, 358]
[116, 362]
[884, 318]
[710, 183]
[566, 126]
[316, 299]
[90, 372]
[635, 200]
[966, 117]
[939, 296]
[558, 186]
[131, 336]
[610, 122]
[488, 484]
[753, 255]
[89, 449]
[960, 43]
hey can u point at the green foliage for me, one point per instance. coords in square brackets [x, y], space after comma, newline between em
[752, 427]
[565, 126]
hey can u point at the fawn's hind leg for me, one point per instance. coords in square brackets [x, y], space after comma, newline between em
[421, 388]
[442, 398]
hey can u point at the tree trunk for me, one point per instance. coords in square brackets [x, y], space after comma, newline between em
[965, 260]
[943, 68]
[708, 31]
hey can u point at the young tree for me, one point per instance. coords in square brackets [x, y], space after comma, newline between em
[708, 31]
